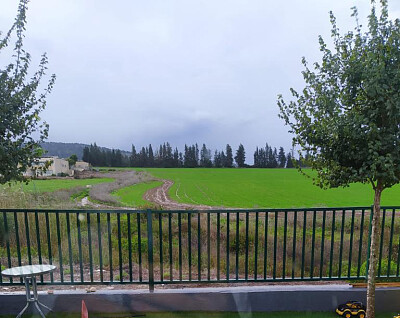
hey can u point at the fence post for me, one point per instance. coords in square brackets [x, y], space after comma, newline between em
[369, 241]
[150, 248]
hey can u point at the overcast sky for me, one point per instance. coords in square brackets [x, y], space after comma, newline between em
[182, 71]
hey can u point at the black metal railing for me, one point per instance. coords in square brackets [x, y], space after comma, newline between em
[169, 247]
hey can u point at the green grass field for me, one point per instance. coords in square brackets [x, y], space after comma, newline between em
[133, 195]
[263, 188]
[51, 185]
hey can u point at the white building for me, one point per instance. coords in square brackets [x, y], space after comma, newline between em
[55, 167]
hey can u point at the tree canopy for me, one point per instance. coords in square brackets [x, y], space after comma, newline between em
[21, 128]
[347, 118]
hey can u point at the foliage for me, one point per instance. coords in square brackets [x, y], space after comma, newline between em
[165, 156]
[347, 117]
[52, 185]
[240, 157]
[20, 105]
[72, 160]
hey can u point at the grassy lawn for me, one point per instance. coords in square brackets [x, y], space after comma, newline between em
[51, 185]
[263, 188]
[133, 195]
[214, 315]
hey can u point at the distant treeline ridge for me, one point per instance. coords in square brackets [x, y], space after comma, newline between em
[166, 157]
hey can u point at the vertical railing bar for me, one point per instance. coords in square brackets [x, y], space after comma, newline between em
[49, 251]
[284, 246]
[189, 216]
[265, 243]
[256, 248]
[60, 257]
[180, 244]
[321, 263]
[246, 264]
[390, 243]
[170, 245]
[237, 247]
[71, 267]
[17, 241]
[275, 244]
[39, 246]
[360, 242]
[208, 247]
[227, 245]
[160, 241]
[138, 216]
[7, 237]
[128, 220]
[341, 243]
[333, 227]
[198, 246]
[381, 241]
[351, 243]
[294, 244]
[218, 245]
[119, 247]
[100, 247]
[110, 258]
[150, 249]
[313, 244]
[28, 239]
[89, 229]
[78, 226]
[303, 243]
[398, 258]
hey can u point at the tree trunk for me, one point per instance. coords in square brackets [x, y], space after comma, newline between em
[375, 236]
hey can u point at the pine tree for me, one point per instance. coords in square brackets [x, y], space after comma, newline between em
[150, 156]
[228, 162]
[240, 156]
[133, 157]
[289, 161]
[281, 158]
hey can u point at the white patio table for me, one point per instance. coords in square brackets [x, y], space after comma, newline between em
[29, 273]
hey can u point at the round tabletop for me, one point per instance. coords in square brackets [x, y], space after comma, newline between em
[28, 270]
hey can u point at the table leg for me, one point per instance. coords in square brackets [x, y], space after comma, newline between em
[39, 310]
[32, 297]
[23, 310]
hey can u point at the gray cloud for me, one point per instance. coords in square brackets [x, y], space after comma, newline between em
[178, 71]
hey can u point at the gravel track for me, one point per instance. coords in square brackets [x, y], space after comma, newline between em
[160, 197]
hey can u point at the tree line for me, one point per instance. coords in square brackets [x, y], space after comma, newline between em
[193, 156]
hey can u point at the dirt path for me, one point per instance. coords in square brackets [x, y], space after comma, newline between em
[159, 196]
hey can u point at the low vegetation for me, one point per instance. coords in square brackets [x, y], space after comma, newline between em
[51, 185]
[132, 196]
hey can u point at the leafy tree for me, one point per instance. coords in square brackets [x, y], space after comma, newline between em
[20, 105]
[72, 160]
[348, 115]
[240, 156]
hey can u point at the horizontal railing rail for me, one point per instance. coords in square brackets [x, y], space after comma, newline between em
[206, 246]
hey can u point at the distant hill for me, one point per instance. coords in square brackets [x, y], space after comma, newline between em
[66, 149]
